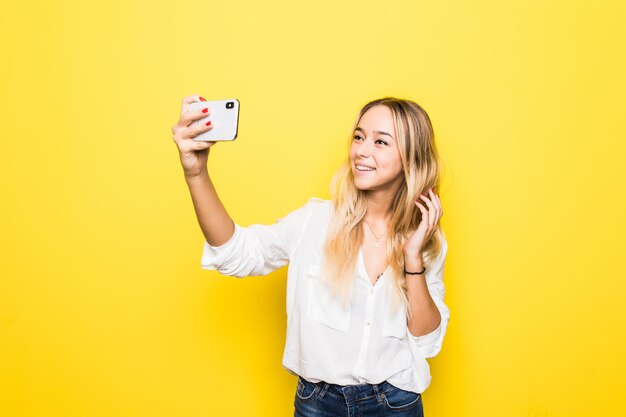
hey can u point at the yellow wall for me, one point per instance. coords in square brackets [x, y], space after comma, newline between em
[104, 310]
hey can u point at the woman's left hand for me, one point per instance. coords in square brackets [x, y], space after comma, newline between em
[430, 217]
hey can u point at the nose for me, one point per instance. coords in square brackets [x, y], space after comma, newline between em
[365, 149]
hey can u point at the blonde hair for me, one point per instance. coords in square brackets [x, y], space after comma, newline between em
[421, 167]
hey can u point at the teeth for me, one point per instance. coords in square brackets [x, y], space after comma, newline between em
[362, 168]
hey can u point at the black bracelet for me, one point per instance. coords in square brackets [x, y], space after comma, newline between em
[415, 273]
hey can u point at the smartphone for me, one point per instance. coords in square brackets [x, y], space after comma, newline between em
[224, 117]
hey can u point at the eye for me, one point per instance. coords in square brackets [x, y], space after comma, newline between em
[357, 137]
[380, 140]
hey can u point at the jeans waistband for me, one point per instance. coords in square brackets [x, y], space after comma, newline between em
[353, 392]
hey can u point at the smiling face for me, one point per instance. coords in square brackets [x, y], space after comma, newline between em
[374, 152]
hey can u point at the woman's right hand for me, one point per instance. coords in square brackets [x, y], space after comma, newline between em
[193, 154]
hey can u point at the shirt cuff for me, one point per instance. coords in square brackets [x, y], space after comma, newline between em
[214, 256]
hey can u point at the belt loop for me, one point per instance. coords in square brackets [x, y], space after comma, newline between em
[324, 388]
[378, 395]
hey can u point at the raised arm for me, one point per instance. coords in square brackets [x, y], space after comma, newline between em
[217, 226]
[259, 249]
[430, 344]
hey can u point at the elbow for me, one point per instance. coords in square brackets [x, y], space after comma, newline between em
[431, 326]
[430, 344]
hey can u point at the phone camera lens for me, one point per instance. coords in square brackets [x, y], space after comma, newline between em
[230, 105]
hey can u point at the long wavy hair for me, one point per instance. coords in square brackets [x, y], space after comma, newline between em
[421, 167]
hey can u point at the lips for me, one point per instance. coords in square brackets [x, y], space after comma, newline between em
[364, 168]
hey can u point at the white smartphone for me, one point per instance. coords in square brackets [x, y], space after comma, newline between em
[224, 116]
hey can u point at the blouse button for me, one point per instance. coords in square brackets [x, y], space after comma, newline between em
[368, 323]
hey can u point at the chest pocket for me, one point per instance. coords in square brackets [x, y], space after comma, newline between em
[322, 306]
[395, 324]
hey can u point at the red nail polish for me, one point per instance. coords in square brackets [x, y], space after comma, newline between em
[202, 99]
[208, 123]
[205, 110]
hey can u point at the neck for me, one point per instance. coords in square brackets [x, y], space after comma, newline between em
[379, 205]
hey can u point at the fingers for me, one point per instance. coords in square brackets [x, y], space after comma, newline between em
[186, 146]
[438, 200]
[188, 133]
[424, 213]
[188, 100]
[191, 116]
[195, 130]
[434, 212]
[197, 145]
[183, 129]
[436, 204]
[187, 117]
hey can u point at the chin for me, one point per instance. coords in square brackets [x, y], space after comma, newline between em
[362, 185]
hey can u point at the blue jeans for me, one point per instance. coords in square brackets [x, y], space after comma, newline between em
[323, 399]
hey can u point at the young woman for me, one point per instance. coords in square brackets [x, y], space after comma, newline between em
[365, 278]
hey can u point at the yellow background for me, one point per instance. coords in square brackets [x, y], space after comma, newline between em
[104, 310]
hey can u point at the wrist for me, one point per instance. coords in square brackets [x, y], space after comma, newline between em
[413, 263]
[196, 176]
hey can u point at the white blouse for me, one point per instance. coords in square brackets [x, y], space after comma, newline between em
[364, 344]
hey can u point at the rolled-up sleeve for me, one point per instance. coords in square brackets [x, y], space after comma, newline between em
[258, 249]
[430, 344]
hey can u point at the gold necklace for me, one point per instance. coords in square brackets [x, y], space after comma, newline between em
[376, 237]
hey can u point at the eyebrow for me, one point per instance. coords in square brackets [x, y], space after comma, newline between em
[380, 132]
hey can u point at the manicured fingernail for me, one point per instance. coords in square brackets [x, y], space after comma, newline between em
[208, 123]
[205, 110]
[202, 99]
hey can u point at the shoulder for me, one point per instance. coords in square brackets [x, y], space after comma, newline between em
[319, 205]
[316, 211]
[319, 200]
[314, 207]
